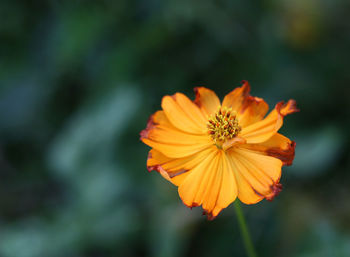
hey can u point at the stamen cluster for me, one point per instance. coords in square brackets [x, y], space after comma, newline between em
[223, 125]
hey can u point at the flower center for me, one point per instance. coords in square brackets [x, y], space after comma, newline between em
[223, 125]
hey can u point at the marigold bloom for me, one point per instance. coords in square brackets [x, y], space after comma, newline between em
[215, 152]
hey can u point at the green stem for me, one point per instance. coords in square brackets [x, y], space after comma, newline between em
[244, 230]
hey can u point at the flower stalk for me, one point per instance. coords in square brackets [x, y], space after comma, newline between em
[248, 244]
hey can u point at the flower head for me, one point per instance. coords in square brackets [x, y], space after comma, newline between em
[215, 152]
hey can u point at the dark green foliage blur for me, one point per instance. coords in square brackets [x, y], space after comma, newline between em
[78, 81]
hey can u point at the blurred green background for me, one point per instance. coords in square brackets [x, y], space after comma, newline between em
[78, 81]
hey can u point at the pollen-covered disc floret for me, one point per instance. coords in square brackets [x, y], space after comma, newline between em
[223, 125]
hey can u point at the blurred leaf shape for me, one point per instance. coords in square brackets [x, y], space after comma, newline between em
[83, 157]
[92, 133]
[323, 240]
[317, 151]
[77, 31]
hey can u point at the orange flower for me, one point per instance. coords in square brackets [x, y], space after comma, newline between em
[215, 152]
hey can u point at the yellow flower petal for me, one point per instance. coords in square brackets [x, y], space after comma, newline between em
[236, 98]
[277, 146]
[175, 168]
[191, 109]
[253, 110]
[176, 151]
[161, 120]
[184, 114]
[262, 130]
[225, 192]
[161, 135]
[249, 109]
[256, 174]
[206, 100]
[188, 190]
[176, 137]
[246, 193]
[212, 185]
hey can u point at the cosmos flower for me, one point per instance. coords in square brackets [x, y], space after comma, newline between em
[215, 152]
